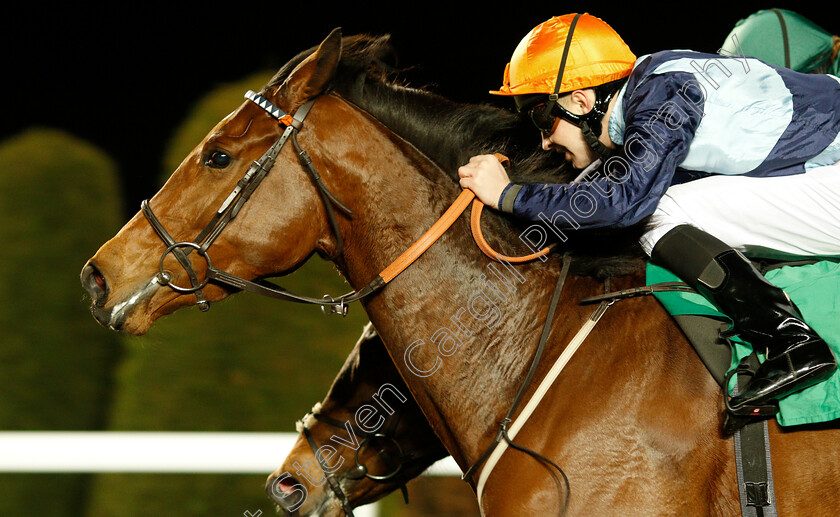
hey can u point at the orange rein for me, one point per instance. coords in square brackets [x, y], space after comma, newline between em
[443, 224]
[475, 224]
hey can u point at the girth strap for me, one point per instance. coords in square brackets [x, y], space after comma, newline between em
[753, 464]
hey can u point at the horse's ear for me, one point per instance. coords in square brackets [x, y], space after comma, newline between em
[312, 76]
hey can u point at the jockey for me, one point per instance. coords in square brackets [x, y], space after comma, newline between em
[784, 38]
[714, 148]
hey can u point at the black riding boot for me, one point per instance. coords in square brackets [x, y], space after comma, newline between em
[762, 314]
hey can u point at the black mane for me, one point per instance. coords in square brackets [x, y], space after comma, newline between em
[449, 133]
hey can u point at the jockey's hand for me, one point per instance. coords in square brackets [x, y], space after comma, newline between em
[485, 176]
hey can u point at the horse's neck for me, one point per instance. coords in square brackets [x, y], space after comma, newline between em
[461, 328]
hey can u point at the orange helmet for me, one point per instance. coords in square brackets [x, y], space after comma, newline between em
[596, 55]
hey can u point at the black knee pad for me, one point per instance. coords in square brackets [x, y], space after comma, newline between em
[690, 253]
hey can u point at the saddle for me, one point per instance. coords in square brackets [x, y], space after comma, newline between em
[814, 286]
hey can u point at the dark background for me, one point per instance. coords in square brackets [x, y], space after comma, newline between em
[123, 76]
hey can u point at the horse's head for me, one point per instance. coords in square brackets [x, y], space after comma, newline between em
[135, 277]
[367, 438]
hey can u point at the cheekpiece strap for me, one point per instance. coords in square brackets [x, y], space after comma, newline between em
[281, 116]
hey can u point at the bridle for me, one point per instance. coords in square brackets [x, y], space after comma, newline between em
[230, 208]
[242, 192]
[394, 459]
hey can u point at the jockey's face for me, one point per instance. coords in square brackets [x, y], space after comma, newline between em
[566, 137]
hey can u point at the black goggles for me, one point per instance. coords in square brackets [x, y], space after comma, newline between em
[544, 115]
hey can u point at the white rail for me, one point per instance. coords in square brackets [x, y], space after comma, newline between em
[160, 452]
[164, 452]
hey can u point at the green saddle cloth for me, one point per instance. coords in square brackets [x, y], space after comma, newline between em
[815, 289]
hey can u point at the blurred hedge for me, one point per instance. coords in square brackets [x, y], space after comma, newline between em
[59, 201]
[250, 364]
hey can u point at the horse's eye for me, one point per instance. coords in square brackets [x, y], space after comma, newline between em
[218, 159]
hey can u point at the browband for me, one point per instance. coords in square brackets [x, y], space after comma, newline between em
[269, 108]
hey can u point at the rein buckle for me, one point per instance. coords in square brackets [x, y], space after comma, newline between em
[335, 308]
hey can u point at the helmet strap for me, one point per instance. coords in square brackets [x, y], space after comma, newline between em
[594, 143]
[554, 96]
[603, 95]
[591, 124]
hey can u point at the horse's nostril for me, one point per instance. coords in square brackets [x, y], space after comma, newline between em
[287, 492]
[95, 284]
[278, 486]
[99, 279]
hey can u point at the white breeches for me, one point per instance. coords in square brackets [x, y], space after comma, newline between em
[776, 217]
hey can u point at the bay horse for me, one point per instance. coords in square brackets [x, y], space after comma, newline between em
[634, 418]
[369, 434]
